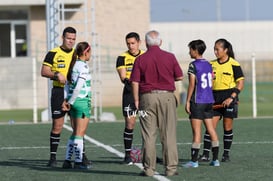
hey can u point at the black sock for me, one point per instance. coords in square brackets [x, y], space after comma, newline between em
[207, 144]
[215, 151]
[54, 143]
[194, 154]
[128, 140]
[228, 138]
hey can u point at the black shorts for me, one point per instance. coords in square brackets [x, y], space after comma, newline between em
[228, 112]
[128, 103]
[57, 99]
[201, 111]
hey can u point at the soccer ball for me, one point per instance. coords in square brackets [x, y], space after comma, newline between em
[135, 155]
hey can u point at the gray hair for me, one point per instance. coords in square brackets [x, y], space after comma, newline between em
[153, 38]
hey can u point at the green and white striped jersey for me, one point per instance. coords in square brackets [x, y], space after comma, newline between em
[80, 86]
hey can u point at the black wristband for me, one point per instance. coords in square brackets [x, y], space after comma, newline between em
[55, 77]
[237, 91]
[126, 81]
[233, 98]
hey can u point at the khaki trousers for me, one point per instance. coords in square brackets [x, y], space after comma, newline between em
[158, 112]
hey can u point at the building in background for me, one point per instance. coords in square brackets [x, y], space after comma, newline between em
[23, 37]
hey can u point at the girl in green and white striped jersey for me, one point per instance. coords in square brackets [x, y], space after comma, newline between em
[78, 103]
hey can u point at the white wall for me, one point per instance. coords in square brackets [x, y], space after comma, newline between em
[246, 37]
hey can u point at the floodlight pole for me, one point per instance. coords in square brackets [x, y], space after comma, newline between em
[254, 94]
[52, 25]
[218, 10]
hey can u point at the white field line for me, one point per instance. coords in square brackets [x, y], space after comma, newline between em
[157, 176]
[110, 149]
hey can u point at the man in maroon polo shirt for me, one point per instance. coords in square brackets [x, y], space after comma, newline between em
[153, 81]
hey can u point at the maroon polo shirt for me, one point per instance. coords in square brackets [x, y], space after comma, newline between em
[156, 69]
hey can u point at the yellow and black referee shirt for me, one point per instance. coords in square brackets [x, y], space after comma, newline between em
[59, 60]
[226, 74]
[127, 60]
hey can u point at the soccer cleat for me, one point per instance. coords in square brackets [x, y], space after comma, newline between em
[128, 160]
[81, 166]
[52, 163]
[215, 163]
[86, 161]
[190, 164]
[67, 164]
[203, 158]
[225, 158]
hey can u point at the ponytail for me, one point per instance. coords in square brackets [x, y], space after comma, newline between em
[81, 48]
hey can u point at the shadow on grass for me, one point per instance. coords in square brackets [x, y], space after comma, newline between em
[40, 165]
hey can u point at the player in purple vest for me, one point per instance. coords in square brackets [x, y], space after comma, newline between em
[199, 102]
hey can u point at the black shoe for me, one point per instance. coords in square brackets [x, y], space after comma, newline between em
[52, 163]
[67, 164]
[86, 161]
[159, 160]
[128, 160]
[81, 166]
[225, 158]
[203, 158]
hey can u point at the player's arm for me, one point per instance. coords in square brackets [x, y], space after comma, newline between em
[46, 70]
[122, 74]
[239, 78]
[77, 90]
[191, 75]
[48, 73]
[121, 68]
[190, 92]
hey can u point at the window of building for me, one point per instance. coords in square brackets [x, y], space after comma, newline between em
[13, 28]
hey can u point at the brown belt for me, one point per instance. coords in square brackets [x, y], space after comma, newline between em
[158, 91]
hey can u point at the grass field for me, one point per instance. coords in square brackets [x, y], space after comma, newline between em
[26, 115]
[24, 152]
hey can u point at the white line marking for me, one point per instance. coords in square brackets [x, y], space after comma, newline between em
[157, 176]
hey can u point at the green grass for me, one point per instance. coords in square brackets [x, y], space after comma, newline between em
[26, 115]
[24, 152]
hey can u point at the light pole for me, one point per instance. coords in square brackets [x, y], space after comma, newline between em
[218, 10]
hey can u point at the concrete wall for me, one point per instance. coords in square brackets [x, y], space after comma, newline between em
[246, 37]
[16, 78]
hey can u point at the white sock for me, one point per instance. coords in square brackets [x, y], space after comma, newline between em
[69, 149]
[78, 142]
